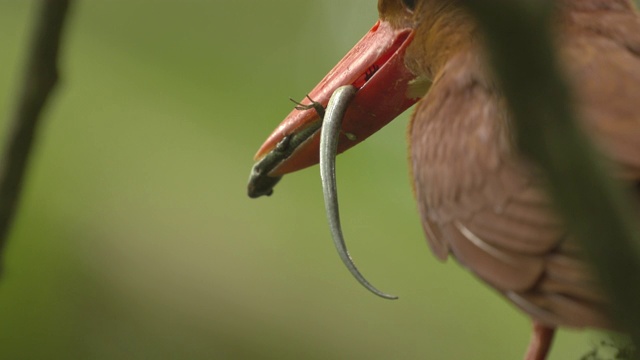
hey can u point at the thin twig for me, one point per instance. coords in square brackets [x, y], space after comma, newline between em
[40, 77]
[518, 34]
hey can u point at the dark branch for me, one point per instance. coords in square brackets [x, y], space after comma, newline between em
[40, 77]
[519, 38]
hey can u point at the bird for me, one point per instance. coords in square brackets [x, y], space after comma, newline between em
[480, 200]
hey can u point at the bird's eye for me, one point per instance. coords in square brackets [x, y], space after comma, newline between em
[410, 4]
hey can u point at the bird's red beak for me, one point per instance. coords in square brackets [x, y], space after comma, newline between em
[375, 65]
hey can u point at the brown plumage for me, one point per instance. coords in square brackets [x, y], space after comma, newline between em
[480, 201]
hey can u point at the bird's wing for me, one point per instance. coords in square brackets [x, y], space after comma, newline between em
[484, 204]
[475, 197]
[602, 56]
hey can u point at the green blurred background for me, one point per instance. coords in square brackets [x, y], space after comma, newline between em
[136, 240]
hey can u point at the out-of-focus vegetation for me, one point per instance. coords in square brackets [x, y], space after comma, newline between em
[136, 239]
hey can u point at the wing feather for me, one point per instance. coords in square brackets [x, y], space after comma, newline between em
[485, 205]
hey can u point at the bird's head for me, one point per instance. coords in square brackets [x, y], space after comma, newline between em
[390, 68]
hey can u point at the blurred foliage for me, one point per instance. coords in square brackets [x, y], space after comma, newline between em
[135, 238]
[612, 348]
